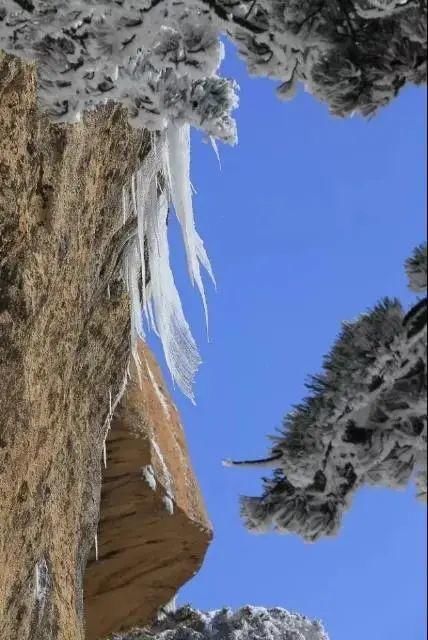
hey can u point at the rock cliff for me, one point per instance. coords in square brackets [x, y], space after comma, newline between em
[64, 349]
[153, 529]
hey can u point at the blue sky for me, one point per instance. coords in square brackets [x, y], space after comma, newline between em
[307, 225]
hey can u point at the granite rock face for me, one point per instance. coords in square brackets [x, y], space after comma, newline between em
[64, 350]
[153, 530]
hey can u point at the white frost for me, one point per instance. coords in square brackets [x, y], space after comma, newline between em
[169, 504]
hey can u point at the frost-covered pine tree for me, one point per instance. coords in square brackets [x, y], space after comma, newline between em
[247, 623]
[159, 57]
[160, 60]
[364, 422]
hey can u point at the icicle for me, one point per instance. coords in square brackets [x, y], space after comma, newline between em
[164, 177]
[120, 393]
[166, 311]
[96, 547]
[178, 168]
[112, 406]
[215, 148]
[158, 390]
[124, 206]
[133, 193]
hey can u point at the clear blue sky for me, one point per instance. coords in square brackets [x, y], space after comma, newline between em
[307, 225]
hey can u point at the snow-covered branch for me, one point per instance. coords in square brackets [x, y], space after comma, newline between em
[247, 623]
[365, 422]
[355, 55]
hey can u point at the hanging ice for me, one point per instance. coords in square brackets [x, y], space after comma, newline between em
[178, 167]
[164, 180]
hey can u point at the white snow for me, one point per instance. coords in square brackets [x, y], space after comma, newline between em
[149, 476]
[169, 504]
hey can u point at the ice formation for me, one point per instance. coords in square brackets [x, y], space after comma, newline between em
[160, 184]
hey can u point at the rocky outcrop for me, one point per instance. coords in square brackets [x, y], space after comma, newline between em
[153, 529]
[63, 346]
[64, 349]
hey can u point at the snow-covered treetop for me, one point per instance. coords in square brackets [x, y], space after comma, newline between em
[159, 57]
[416, 268]
[364, 422]
[247, 623]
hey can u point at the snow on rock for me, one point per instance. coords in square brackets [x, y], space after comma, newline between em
[247, 623]
[365, 422]
[149, 476]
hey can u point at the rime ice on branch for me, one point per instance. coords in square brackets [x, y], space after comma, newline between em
[159, 57]
[365, 422]
[247, 623]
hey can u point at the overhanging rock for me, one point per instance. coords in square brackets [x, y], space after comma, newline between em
[153, 530]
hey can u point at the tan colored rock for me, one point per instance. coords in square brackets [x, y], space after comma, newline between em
[64, 343]
[153, 531]
[64, 347]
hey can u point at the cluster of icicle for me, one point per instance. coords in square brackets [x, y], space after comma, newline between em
[162, 183]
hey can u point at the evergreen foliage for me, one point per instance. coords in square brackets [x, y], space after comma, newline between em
[364, 422]
[247, 623]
